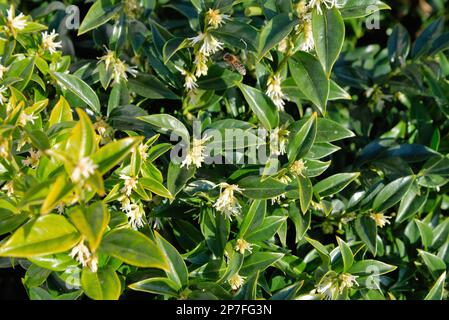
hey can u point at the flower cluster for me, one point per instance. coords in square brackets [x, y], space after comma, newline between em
[118, 68]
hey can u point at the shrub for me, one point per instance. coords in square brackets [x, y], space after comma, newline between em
[224, 150]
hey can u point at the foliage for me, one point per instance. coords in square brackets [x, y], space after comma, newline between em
[93, 204]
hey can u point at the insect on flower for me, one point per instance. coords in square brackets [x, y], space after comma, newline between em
[234, 62]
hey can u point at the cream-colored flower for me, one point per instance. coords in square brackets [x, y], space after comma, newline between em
[200, 65]
[4, 148]
[134, 212]
[298, 167]
[227, 203]
[25, 118]
[83, 170]
[189, 79]
[242, 246]
[3, 89]
[121, 70]
[105, 131]
[3, 70]
[195, 154]
[274, 91]
[209, 45]
[214, 18]
[33, 159]
[49, 43]
[16, 23]
[142, 150]
[82, 254]
[278, 141]
[380, 219]
[108, 58]
[236, 281]
[9, 187]
[129, 184]
[307, 43]
[301, 8]
[329, 4]
[347, 281]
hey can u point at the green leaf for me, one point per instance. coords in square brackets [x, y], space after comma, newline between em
[410, 204]
[370, 267]
[79, 88]
[177, 177]
[392, 193]
[219, 79]
[301, 221]
[111, 154]
[215, 228]
[259, 261]
[362, 8]
[437, 290]
[321, 250]
[255, 188]
[58, 191]
[99, 13]
[155, 186]
[367, 230]
[149, 86]
[346, 254]
[303, 134]
[9, 220]
[426, 233]
[177, 268]
[167, 124]
[91, 222]
[157, 285]
[310, 78]
[273, 32]
[305, 192]
[61, 112]
[399, 46]
[253, 217]
[267, 229]
[261, 105]
[335, 183]
[435, 264]
[172, 46]
[134, 248]
[45, 235]
[329, 131]
[328, 35]
[101, 285]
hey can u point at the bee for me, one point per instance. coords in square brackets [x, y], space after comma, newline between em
[234, 62]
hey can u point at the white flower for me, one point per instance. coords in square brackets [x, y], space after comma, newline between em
[25, 118]
[130, 184]
[227, 203]
[242, 246]
[33, 159]
[195, 154]
[9, 187]
[278, 141]
[214, 18]
[48, 42]
[380, 219]
[209, 45]
[274, 91]
[328, 3]
[3, 70]
[120, 70]
[189, 79]
[200, 65]
[16, 23]
[298, 167]
[236, 281]
[307, 41]
[108, 58]
[3, 89]
[81, 253]
[347, 281]
[83, 170]
[134, 212]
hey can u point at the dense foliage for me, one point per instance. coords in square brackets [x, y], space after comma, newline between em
[118, 173]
